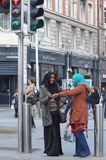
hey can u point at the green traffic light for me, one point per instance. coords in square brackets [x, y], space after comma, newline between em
[38, 24]
[33, 27]
[16, 24]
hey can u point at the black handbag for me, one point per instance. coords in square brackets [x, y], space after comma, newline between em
[33, 99]
[62, 117]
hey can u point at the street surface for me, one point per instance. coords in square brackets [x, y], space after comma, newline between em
[9, 140]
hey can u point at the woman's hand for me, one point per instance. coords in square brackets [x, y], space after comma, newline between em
[55, 95]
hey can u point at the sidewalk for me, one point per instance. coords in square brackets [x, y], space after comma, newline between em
[9, 142]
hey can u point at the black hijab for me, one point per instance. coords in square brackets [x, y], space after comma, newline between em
[52, 88]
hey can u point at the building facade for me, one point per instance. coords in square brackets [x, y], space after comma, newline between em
[69, 39]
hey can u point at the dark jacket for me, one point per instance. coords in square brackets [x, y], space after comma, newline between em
[94, 97]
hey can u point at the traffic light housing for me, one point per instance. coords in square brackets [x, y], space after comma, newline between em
[16, 15]
[4, 6]
[34, 14]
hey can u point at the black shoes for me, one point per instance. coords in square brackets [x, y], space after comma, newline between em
[33, 126]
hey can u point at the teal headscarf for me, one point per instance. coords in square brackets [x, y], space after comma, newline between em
[78, 78]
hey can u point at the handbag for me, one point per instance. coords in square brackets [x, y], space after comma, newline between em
[33, 99]
[62, 117]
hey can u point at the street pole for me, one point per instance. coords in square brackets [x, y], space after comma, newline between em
[67, 76]
[98, 116]
[37, 69]
[20, 93]
[37, 60]
[98, 131]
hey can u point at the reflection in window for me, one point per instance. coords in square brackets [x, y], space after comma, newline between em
[82, 41]
[4, 86]
[58, 6]
[4, 21]
[82, 9]
[90, 16]
[46, 27]
[58, 34]
[73, 8]
[48, 4]
[73, 31]
[90, 42]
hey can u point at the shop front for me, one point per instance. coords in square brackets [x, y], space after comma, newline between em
[83, 65]
[8, 74]
[48, 61]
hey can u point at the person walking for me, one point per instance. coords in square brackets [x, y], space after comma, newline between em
[49, 105]
[15, 98]
[29, 91]
[94, 99]
[68, 102]
[78, 114]
[104, 100]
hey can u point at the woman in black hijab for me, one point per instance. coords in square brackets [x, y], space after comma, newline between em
[52, 138]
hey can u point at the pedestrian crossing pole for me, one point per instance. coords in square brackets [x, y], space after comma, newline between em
[20, 92]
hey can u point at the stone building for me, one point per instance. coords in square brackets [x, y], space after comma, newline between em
[69, 40]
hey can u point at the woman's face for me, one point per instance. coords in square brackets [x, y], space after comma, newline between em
[52, 78]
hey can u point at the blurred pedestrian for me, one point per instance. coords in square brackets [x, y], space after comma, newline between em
[29, 91]
[78, 114]
[52, 137]
[15, 99]
[104, 100]
[68, 102]
[94, 99]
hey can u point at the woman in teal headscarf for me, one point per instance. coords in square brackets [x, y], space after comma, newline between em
[78, 115]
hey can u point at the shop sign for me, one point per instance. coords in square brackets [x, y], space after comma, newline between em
[5, 54]
[104, 75]
[48, 58]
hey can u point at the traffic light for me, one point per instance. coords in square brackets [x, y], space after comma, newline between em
[4, 6]
[16, 15]
[34, 12]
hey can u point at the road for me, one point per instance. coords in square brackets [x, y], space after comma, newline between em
[9, 140]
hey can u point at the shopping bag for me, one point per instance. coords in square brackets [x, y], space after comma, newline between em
[68, 135]
[12, 106]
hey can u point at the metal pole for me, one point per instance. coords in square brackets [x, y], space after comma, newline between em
[20, 92]
[37, 69]
[37, 60]
[67, 76]
[27, 128]
[98, 131]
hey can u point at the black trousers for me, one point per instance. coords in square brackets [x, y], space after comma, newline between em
[32, 120]
[52, 137]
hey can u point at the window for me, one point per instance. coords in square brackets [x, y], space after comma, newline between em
[90, 43]
[58, 34]
[82, 10]
[73, 31]
[73, 8]
[46, 27]
[4, 21]
[48, 4]
[82, 42]
[90, 14]
[58, 6]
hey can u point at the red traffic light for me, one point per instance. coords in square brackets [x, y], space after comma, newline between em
[16, 12]
[5, 3]
[16, 2]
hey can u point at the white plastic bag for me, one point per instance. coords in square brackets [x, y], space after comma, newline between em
[12, 106]
[68, 135]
